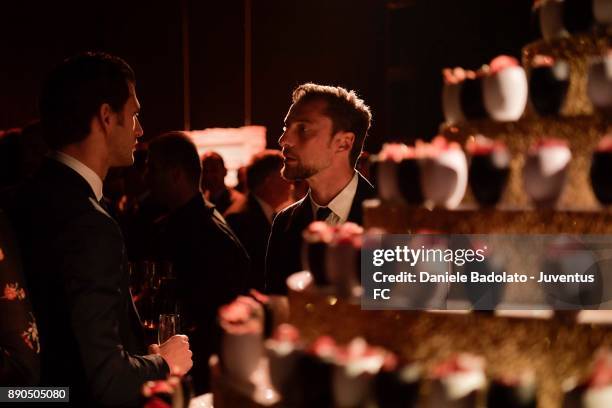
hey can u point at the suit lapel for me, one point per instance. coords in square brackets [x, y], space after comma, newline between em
[364, 191]
[301, 217]
[222, 224]
[66, 176]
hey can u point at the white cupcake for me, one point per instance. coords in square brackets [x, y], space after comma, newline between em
[444, 173]
[354, 371]
[457, 382]
[599, 86]
[596, 390]
[545, 171]
[451, 95]
[505, 89]
[550, 14]
[343, 260]
[387, 165]
[242, 341]
[284, 352]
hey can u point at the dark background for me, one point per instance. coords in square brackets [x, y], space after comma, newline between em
[391, 52]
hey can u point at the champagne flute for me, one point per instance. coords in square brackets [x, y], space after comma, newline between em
[169, 325]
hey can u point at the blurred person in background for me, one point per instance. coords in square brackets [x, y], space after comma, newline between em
[251, 219]
[213, 182]
[209, 262]
[241, 187]
[141, 210]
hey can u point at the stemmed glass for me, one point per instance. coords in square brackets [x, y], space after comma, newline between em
[169, 325]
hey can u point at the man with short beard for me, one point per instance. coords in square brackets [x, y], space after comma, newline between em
[323, 137]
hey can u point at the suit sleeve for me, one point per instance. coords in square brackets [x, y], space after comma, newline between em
[91, 255]
[275, 277]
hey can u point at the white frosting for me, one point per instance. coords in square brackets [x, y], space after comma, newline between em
[369, 364]
[410, 373]
[553, 159]
[459, 385]
[600, 397]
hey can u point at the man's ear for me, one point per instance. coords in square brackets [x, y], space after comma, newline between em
[105, 117]
[344, 141]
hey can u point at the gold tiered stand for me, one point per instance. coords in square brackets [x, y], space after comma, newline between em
[581, 132]
[577, 50]
[553, 348]
[556, 348]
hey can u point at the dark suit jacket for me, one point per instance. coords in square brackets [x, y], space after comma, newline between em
[211, 268]
[75, 266]
[285, 245]
[226, 199]
[250, 224]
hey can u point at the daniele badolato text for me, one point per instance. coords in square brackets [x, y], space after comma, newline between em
[423, 257]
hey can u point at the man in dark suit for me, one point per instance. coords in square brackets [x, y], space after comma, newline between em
[74, 257]
[251, 218]
[323, 137]
[213, 182]
[209, 262]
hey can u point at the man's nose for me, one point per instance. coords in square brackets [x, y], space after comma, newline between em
[284, 140]
[139, 130]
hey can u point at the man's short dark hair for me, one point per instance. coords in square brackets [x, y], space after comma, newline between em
[74, 91]
[347, 111]
[261, 166]
[212, 157]
[176, 150]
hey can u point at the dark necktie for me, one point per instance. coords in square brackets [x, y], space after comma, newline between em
[322, 213]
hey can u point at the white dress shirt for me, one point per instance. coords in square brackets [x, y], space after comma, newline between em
[90, 176]
[340, 205]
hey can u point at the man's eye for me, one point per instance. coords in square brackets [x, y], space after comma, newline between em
[301, 128]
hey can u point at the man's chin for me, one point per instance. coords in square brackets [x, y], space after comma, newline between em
[295, 173]
[290, 173]
[124, 162]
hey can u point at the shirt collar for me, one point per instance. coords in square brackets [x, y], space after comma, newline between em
[90, 176]
[266, 208]
[341, 203]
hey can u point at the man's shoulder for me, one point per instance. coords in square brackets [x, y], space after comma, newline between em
[241, 205]
[365, 189]
[89, 216]
[289, 211]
